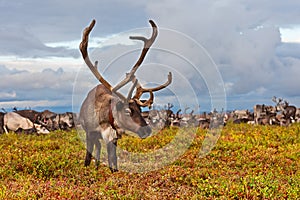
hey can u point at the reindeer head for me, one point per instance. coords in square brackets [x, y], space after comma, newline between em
[281, 104]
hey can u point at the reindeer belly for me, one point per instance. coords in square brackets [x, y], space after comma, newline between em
[15, 125]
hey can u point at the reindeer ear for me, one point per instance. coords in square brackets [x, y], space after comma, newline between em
[119, 105]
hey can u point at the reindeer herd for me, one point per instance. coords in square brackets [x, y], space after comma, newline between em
[282, 114]
[106, 113]
[31, 121]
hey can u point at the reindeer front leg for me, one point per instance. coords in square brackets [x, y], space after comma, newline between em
[112, 155]
[92, 139]
[5, 129]
[109, 135]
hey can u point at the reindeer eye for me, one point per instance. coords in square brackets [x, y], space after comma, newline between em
[127, 111]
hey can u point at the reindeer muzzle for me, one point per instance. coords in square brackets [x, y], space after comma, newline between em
[144, 132]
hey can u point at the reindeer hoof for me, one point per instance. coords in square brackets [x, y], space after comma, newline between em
[113, 170]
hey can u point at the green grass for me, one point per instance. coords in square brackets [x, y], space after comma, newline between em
[248, 162]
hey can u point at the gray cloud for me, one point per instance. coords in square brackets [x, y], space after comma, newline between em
[53, 21]
[28, 26]
[288, 50]
[19, 42]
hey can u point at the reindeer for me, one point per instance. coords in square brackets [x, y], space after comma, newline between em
[15, 122]
[1, 122]
[287, 110]
[106, 113]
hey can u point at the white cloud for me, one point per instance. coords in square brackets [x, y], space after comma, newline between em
[8, 95]
[45, 86]
[17, 64]
[33, 104]
[291, 35]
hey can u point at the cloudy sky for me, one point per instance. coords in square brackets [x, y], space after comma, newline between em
[222, 53]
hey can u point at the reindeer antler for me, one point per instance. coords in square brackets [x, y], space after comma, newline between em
[83, 48]
[93, 67]
[129, 76]
[147, 45]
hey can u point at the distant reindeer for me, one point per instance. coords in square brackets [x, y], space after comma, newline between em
[1, 122]
[287, 110]
[15, 122]
[106, 113]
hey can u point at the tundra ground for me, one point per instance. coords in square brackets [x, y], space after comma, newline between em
[248, 162]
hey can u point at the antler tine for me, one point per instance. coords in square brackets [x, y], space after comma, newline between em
[286, 102]
[93, 67]
[140, 90]
[147, 45]
[146, 103]
[135, 81]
